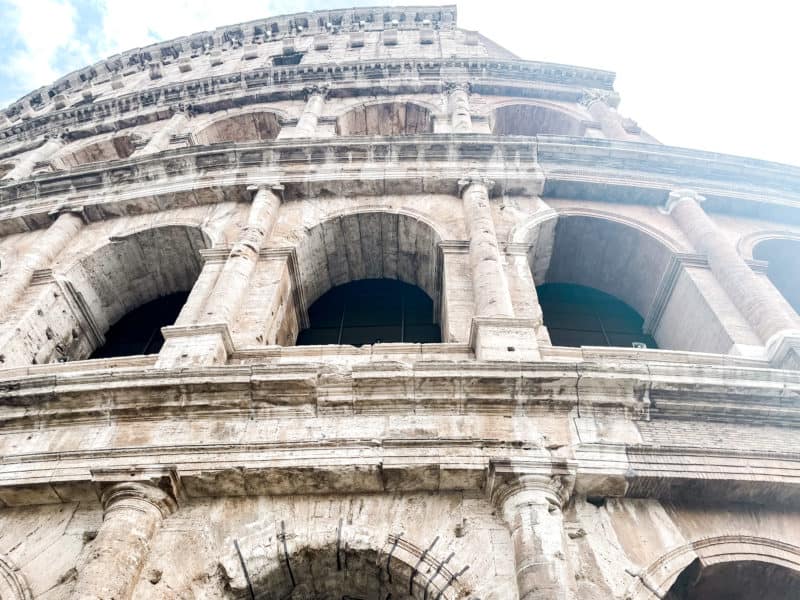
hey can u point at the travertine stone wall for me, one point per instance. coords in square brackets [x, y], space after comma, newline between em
[259, 165]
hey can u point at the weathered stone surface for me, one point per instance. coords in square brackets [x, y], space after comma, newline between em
[258, 166]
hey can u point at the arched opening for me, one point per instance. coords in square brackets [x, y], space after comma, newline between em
[136, 284]
[783, 256]
[352, 571]
[390, 118]
[139, 331]
[576, 315]
[5, 169]
[737, 580]
[526, 119]
[371, 311]
[595, 275]
[260, 126]
[377, 252]
[115, 148]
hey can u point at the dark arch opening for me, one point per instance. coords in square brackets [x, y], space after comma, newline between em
[576, 315]
[370, 311]
[740, 580]
[783, 257]
[524, 119]
[390, 118]
[139, 331]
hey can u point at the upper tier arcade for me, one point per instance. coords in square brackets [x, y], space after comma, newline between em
[276, 58]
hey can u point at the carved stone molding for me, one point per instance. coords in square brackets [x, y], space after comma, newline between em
[474, 178]
[679, 195]
[521, 481]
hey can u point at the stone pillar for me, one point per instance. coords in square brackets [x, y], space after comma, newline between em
[231, 286]
[66, 225]
[315, 101]
[759, 303]
[161, 140]
[44, 152]
[490, 288]
[609, 119]
[460, 112]
[132, 512]
[530, 502]
[209, 341]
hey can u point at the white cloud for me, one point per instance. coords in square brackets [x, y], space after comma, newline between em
[45, 29]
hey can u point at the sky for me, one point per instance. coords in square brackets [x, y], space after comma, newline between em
[708, 74]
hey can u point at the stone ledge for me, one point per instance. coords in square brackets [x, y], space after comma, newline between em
[360, 466]
[633, 390]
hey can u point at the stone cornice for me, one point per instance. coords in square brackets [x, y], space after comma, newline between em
[635, 390]
[481, 466]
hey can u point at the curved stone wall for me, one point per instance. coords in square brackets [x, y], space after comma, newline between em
[259, 166]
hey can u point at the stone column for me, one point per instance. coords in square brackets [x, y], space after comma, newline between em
[531, 504]
[132, 512]
[460, 112]
[315, 101]
[64, 228]
[759, 303]
[44, 152]
[609, 119]
[490, 288]
[231, 286]
[161, 140]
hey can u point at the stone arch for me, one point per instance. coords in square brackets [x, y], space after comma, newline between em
[340, 563]
[656, 580]
[601, 263]
[128, 271]
[13, 585]
[398, 117]
[68, 317]
[595, 249]
[94, 150]
[520, 117]
[369, 244]
[253, 124]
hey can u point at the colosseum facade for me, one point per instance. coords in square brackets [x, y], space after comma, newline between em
[358, 305]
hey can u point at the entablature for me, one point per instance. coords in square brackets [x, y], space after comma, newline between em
[432, 163]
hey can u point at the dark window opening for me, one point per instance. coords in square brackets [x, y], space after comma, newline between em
[577, 315]
[139, 332]
[287, 59]
[371, 311]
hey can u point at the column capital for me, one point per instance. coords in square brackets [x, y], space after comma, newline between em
[316, 90]
[679, 195]
[68, 209]
[512, 482]
[182, 109]
[589, 97]
[274, 187]
[126, 493]
[451, 87]
[474, 178]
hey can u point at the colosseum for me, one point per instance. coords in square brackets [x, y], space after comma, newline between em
[358, 305]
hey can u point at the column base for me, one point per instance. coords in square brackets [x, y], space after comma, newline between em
[504, 339]
[784, 351]
[195, 345]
